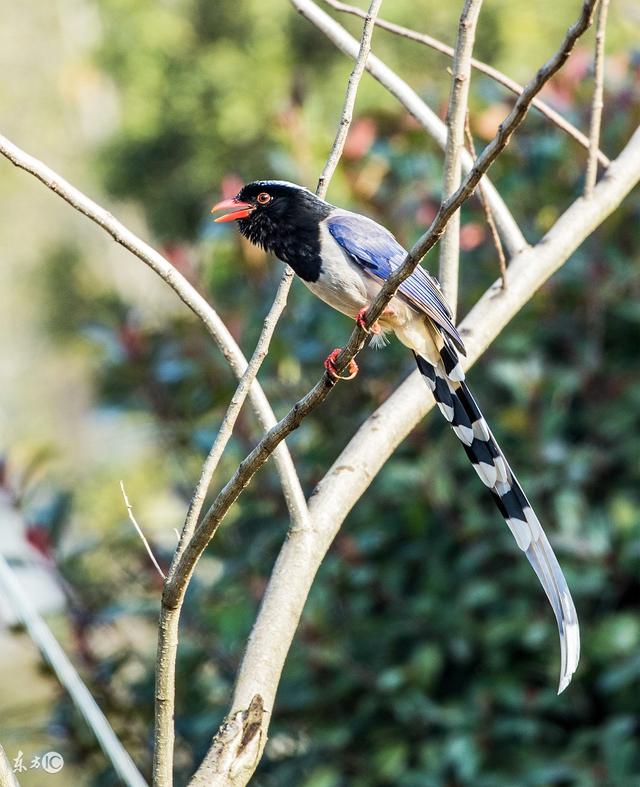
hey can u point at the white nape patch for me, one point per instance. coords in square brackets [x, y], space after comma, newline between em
[446, 410]
[487, 473]
[481, 430]
[464, 433]
[501, 467]
[521, 533]
[533, 521]
[456, 374]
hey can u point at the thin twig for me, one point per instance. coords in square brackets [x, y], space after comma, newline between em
[597, 103]
[164, 733]
[66, 673]
[422, 38]
[233, 410]
[139, 531]
[169, 617]
[488, 215]
[452, 168]
[186, 292]
[349, 99]
[513, 238]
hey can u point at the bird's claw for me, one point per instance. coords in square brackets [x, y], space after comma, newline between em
[332, 371]
[375, 328]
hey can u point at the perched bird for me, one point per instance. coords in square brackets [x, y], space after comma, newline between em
[344, 258]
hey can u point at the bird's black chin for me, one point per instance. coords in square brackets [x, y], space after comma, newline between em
[258, 228]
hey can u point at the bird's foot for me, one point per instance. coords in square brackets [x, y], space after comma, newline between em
[331, 369]
[375, 328]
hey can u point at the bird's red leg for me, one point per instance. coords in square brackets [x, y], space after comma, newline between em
[331, 369]
[375, 328]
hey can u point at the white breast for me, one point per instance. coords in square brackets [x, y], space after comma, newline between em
[342, 284]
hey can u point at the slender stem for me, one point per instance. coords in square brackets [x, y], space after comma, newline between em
[167, 647]
[292, 489]
[422, 38]
[138, 530]
[456, 116]
[231, 415]
[488, 215]
[349, 99]
[597, 103]
[513, 238]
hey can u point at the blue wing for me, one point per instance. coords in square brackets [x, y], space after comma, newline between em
[375, 249]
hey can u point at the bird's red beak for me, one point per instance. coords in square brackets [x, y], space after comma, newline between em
[239, 210]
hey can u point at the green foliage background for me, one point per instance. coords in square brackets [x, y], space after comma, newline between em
[427, 654]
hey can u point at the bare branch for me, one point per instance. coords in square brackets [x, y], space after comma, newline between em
[139, 531]
[169, 618]
[422, 38]
[502, 262]
[513, 238]
[349, 99]
[366, 453]
[597, 103]
[186, 292]
[231, 415]
[66, 673]
[456, 116]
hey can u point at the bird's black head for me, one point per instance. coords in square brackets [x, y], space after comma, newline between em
[279, 216]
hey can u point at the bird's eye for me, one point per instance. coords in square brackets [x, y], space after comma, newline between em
[264, 198]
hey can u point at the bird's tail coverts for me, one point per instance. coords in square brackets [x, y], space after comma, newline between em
[456, 403]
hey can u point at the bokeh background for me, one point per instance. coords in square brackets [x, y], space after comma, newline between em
[427, 654]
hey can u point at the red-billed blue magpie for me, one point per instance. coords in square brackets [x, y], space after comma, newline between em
[344, 258]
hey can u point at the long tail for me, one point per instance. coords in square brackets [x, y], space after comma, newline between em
[456, 403]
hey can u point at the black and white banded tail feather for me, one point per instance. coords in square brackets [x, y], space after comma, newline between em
[456, 403]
